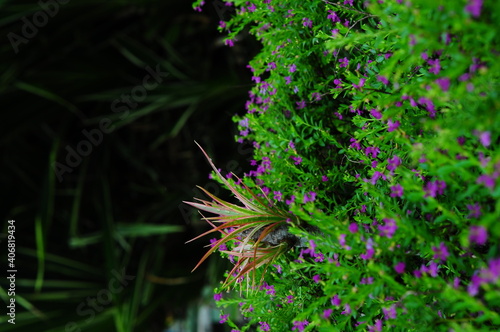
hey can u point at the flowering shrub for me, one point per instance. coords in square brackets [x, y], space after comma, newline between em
[377, 124]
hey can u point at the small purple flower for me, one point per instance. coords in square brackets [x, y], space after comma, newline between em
[218, 296]
[434, 188]
[335, 300]
[382, 79]
[473, 7]
[444, 83]
[347, 310]
[288, 79]
[317, 278]
[400, 268]
[333, 16]
[376, 114]
[435, 66]
[301, 104]
[353, 227]
[278, 196]
[289, 299]
[360, 84]
[344, 62]
[484, 137]
[264, 326]
[316, 96]
[300, 325]
[327, 313]
[307, 22]
[441, 253]
[293, 68]
[390, 313]
[372, 151]
[392, 125]
[487, 180]
[324, 178]
[478, 235]
[397, 190]
[393, 163]
[291, 200]
[475, 210]
[229, 42]
[223, 318]
[355, 144]
[368, 255]
[389, 228]
[310, 197]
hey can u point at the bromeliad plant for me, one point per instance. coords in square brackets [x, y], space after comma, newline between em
[257, 231]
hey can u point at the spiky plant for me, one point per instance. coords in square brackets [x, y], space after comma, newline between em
[257, 230]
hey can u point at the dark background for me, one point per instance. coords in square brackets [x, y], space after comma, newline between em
[118, 207]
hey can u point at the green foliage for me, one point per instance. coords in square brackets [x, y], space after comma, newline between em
[376, 123]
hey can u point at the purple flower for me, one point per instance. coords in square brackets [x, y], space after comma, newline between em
[392, 125]
[355, 144]
[377, 175]
[270, 290]
[316, 96]
[488, 181]
[389, 228]
[473, 287]
[300, 325]
[435, 66]
[288, 79]
[293, 68]
[307, 22]
[434, 188]
[310, 197]
[353, 227]
[223, 318]
[218, 296]
[441, 252]
[335, 300]
[368, 255]
[473, 7]
[229, 42]
[475, 210]
[324, 178]
[289, 299]
[317, 278]
[382, 79]
[478, 235]
[373, 151]
[327, 313]
[377, 327]
[393, 163]
[333, 16]
[400, 268]
[264, 326]
[390, 313]
[301, 104]
[484, 137]
[444, 83]
[366, 281]
[397, 190]
[344, 62]
[376, 114]
[361, 83]
[291, 200]
[347, 310]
